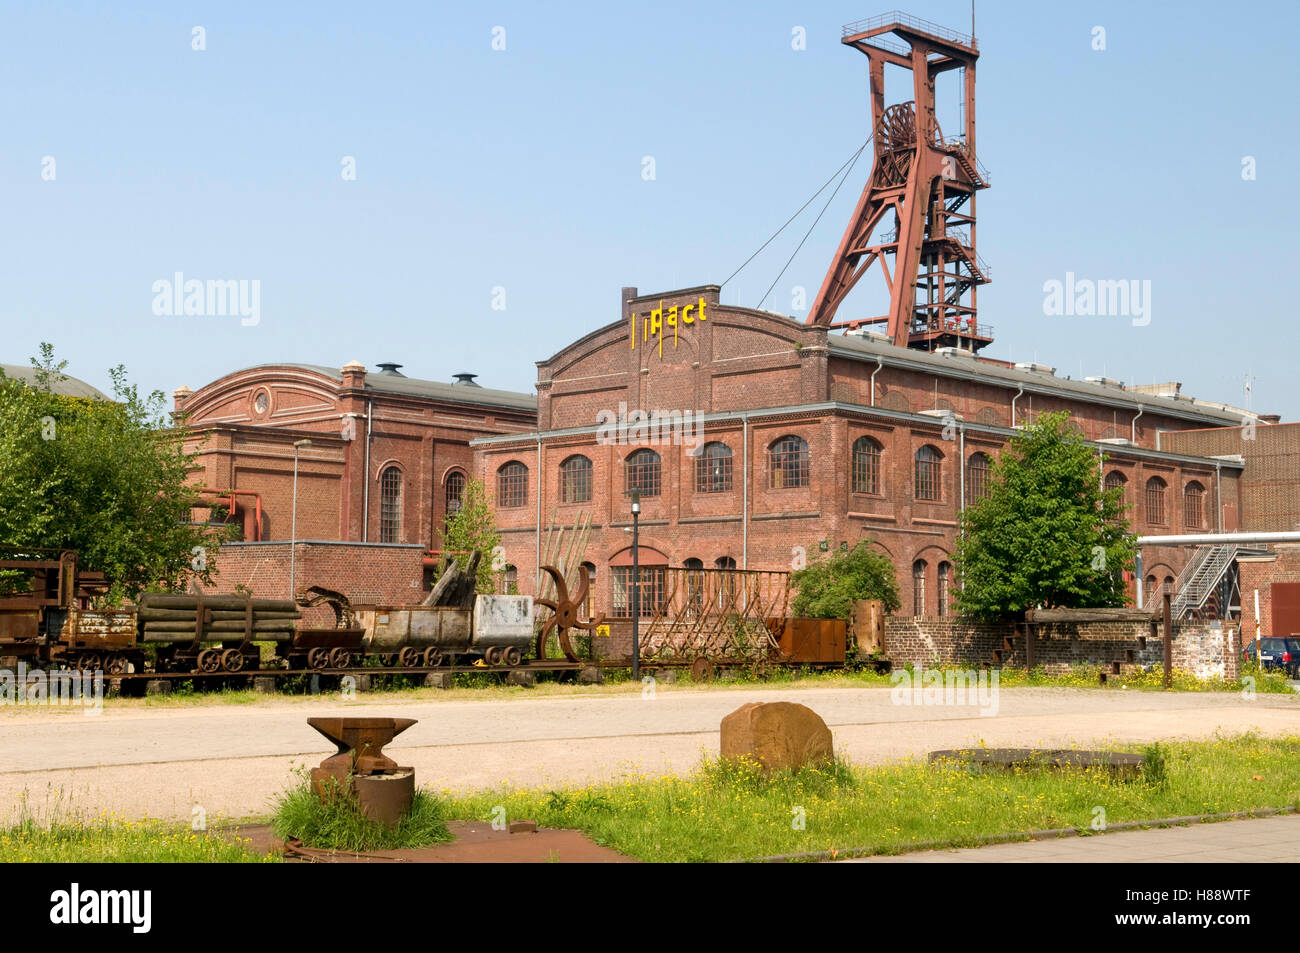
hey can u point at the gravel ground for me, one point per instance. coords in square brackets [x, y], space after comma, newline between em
[231, 760]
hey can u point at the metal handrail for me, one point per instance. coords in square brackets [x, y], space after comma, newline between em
[906, 19]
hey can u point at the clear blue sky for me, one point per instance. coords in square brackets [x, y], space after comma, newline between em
[522, 169]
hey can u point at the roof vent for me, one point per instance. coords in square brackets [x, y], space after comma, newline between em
[391, 370]
[1031, 366]
[954, 352]
[1104, 381]
[466, 379]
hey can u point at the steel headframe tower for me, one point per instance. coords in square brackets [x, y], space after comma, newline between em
[928, 183]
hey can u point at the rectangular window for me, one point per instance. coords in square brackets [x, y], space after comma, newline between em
[653, 579]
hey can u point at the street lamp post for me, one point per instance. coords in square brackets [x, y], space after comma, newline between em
[293, 520]
[636, 586]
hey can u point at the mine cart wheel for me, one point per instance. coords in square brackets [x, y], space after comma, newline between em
[209, 660]
[432, 657]
[232, 660]
[409, 657]
[512, 655]
[318, 658]
[702, 670]
[85, 663]
[116, 665]
[492, 656]
[340, 657]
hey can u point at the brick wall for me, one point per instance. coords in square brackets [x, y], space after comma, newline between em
[1202, 648]
[363, 573]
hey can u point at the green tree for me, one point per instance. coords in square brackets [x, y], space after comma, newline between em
[107, 478]
[1046, 534]
[828, 586]
[474, 526]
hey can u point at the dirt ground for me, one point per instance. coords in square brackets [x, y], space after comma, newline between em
[474, 843]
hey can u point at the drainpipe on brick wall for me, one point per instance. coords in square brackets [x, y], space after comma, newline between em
[961, 467]
[1218, 494]
[537, 589]
[744, 498]
[1020, 393]
[365, 501]
[1137, 568]
[880, 362]
[1133, 430]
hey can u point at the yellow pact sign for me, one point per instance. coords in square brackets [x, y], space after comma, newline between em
[654, 324]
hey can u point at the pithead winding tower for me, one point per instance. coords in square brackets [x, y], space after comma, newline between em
[917, 211]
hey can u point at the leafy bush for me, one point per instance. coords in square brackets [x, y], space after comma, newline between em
[828, 586]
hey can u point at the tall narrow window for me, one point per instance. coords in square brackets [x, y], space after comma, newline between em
[1116, 481]
[977, 477]
[713, 469]
[694, 585]
[512, 485]
[945, 581]
[575, 480]
[918, 587]
[866, 466]
[927, 473]
[390, 505]
[511, 581]
[727, 587]
[1194, 506]
[642, 472]
[455, 492]
[787, 462]
[1156, 501]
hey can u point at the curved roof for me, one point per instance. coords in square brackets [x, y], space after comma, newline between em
[63, 384]
[415, 387]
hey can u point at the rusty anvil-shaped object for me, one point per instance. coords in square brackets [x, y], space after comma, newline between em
[364, 736]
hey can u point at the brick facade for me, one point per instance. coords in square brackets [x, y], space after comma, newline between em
[754, 377]
[242, 428]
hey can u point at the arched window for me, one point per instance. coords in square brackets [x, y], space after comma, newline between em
[727, 587]
[390, 505]
[787, 462]
[591, 589]
[455, 492]
[928, 472]
[866, 466]
[575, 480]
[512, 485]
[1194, 505]
[1117, 481]
[642, 471]
[694, 584]
[918, 587]
[945, 581]
[511, 581]
[977, 476]
[713, 469]
[1156, 501]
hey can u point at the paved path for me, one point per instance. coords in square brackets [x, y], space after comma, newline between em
[232, 759]
[1261, 840]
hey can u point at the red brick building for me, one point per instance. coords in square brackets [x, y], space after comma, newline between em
[814, 440]
[388, 456]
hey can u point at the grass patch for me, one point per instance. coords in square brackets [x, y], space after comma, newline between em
[113, 840]
[728, 811]
[336, 822]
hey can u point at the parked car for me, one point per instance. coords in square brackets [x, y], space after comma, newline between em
[1283, 653]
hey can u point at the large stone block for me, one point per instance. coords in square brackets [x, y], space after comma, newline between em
[778, 735]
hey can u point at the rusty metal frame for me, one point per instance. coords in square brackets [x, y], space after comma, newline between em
[928, 182]
[717, 614]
